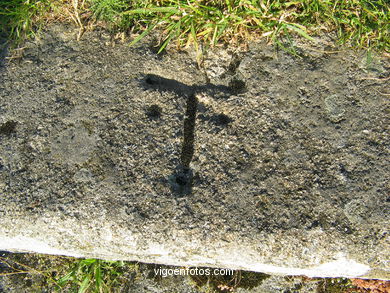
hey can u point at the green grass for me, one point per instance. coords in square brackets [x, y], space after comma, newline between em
[358, 23]
[65, 274]
[91, 275]
[21, 18]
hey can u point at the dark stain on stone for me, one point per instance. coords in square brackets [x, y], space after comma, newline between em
[150, 80]
[154, 111]
[181, 180]
[183, 90]
[234, 64]
[8, 128]
[237, 86]
[221, 119]
[187, 151]
[166, 84]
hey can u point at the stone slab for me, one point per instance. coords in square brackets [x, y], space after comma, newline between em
[290, 173]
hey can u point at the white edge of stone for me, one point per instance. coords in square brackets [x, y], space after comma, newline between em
[342, 267]
[27, 244]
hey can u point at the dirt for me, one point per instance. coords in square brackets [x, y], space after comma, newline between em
[288, 149]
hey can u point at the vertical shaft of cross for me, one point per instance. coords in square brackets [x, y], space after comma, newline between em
[187, 151]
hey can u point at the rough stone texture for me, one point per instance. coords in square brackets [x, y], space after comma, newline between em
[290, 171]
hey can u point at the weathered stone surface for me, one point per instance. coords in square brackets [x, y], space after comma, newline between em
[289, 174]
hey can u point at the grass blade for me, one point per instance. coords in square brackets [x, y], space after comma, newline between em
[84, 284]
[172, 10]
[143, 34]
[300, 29]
